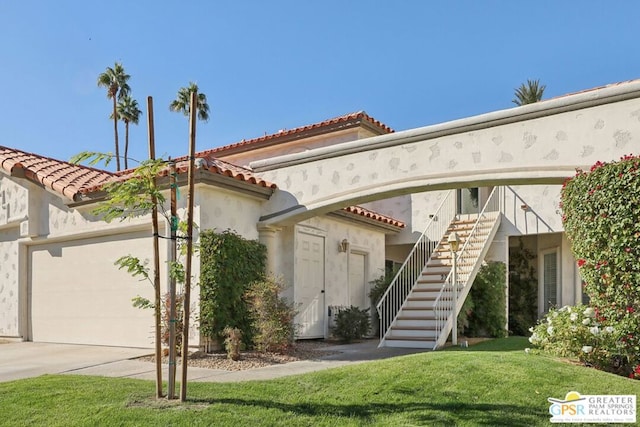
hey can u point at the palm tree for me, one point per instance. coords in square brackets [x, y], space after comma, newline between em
[128, 112]
[183, 100]
[115, 81]
[529, 93]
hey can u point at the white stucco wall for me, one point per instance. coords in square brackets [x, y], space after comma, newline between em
[540, 143]
[362, 240]
[412, 209]
[298, 145]
[223, 209]
[13, 213]
[13, 200]
[9, 283]
[31, 216]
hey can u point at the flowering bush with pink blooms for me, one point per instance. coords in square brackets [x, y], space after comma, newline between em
[601, 215]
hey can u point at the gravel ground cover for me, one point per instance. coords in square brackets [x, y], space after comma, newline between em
[303, 350]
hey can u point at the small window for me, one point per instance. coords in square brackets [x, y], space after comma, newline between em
[391, 267]
[549, 287]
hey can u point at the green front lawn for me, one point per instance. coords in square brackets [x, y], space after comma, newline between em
[492, 384]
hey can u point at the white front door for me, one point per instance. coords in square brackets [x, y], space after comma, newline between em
[357, 281]
[309, 286]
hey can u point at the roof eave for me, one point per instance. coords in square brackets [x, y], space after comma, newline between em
[351, 216]
[202, 176]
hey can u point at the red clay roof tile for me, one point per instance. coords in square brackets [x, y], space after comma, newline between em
[359, 210]
[213, 165]
[70, 180]
[345, 119]
[61, 177]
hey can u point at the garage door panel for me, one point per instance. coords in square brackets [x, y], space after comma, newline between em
[79, 296]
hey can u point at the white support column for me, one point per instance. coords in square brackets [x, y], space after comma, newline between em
[268, 236]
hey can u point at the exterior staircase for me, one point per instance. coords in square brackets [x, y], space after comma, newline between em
[424, 317]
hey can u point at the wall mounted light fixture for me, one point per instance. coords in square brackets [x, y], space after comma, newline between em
[343, 246]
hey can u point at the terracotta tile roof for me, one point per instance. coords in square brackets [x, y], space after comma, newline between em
[221, 167]
[71, 180]
[211, 164]
[62, 177]
[347, 120]
[358, 210]
[593, 89]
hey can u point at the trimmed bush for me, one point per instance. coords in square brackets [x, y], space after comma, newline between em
[484, 311]
[272, 316]
[232, 342]
[378, 287]
[352, 324]
[523, 290]
[229, 264]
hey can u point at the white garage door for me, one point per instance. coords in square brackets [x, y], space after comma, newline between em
[77, 294]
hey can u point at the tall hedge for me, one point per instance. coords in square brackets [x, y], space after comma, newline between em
[601, 215]
[229, 264]
[484, 310]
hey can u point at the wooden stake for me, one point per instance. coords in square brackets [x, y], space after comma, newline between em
[156, 253]
[187, 285]
[173, 184]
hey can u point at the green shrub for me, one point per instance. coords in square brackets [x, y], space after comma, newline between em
[272, 316]
[352, 324]
[378, 287]
[601, 215]
[575, 332]
[523, 290]
[485, 313]
[232, 342]
[229, 264]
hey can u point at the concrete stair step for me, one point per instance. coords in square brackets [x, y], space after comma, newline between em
[409, 343]
[411, 333]
[405, 323]
[417, 311]
[426, 292]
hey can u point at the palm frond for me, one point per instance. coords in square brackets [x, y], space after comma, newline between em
[529, 93]
[92, 158]
[128, 110]
[183, 100]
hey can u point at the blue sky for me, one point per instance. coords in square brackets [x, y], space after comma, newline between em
[266, 66]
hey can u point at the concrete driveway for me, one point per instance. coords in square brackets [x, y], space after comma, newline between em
[28, 359]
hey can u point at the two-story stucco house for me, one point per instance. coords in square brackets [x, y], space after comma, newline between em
[334, 202]
[58, 282]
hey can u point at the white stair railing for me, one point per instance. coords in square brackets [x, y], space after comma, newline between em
[410, 271]
[468, 260]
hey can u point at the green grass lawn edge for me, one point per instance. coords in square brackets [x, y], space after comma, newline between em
[494, 383]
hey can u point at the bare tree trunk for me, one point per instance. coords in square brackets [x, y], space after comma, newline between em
[126, 144]
[115, 131]
[156, 256]
[187, 285]
[173, 184]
